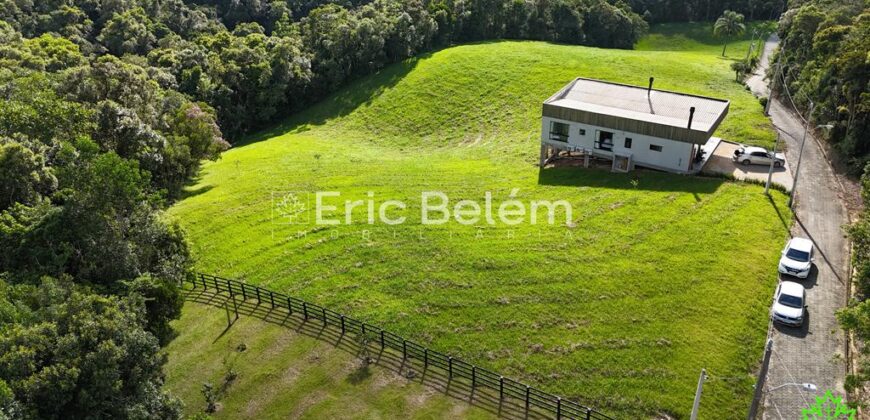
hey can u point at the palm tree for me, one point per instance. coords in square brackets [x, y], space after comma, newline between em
[730, 24]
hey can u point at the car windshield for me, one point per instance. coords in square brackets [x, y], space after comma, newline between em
[789, 300]
[798, 255]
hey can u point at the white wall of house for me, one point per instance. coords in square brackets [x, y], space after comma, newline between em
[675, 156]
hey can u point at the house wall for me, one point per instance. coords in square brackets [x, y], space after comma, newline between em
[675, 156]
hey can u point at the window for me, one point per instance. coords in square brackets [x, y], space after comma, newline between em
[655, 148]
[559, 131]
[628, 142]
[605, 141]
[582, 131]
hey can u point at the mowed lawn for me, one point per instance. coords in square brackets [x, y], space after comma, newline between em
[654, 277]
[283, 373]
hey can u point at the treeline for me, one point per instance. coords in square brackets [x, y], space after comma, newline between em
[825, 60]
[253, 61]
[90, 149]
[656, 11]
[855, 318]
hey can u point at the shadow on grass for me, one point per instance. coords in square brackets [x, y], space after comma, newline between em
[643, 180]
[702, 32]
[359, 375]
[354, 93]
[411, 369]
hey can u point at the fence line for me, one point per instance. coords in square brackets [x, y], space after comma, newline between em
[455, 368]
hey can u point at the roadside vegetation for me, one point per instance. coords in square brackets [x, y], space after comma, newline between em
[825, 61]
[652, 281]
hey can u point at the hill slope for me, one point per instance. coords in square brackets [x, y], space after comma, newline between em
[649, 283]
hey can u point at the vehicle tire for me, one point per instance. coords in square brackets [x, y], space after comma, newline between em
[777, 164]
[746, 161]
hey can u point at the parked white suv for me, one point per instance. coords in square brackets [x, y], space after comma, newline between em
[789, 304]
[750, 155]
[797, 258]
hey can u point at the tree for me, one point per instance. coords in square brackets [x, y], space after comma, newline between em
[128, 32]
[76, 354]
[23, 175]
[730, 24]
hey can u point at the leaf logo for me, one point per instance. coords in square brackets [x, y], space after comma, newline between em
[290, 206]
[828, 407]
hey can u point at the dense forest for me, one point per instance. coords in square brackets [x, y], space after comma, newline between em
[656, 11]
[825, 60]
[109, 106]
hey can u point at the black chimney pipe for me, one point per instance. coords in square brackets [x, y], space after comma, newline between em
[651, 79]
[691, 114]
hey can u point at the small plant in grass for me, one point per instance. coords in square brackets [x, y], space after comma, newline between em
[362, 340]
[362, 372]
[210, 397]
[230, 375]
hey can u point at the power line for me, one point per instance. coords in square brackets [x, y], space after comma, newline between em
[790, 99]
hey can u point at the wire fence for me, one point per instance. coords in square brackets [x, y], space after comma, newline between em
[454, 368]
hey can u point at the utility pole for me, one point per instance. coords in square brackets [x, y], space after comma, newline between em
[751, 44]
[759, 385]
[776, 73]
[697, 403]
[772, 161]
[797, 170]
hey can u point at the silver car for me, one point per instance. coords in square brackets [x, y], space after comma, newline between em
[751, 155]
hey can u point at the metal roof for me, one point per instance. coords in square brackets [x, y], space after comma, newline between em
[653, 112]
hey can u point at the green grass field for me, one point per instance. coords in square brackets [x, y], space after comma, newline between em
[656, 276]
[283, 373]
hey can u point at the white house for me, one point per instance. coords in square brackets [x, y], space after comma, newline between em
[629, 124]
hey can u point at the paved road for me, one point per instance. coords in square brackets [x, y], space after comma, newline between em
[816, 352]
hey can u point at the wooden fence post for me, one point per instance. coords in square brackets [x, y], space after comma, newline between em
[214, 279]
[323, 310]
[473, 377]
[382, 337]
[342, 325]
[272, 299]
[404, 349]
[244, 292]
[558, 408]
[289, 306]
[588, 414]
[500, 388]
[230, 288]
[305, 310]
[204, 284]
[257, 288]
[425, 358]
[450, 366]
[527, 398]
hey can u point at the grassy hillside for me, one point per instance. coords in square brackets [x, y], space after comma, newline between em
[650, 282]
